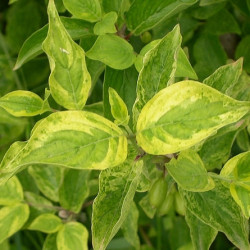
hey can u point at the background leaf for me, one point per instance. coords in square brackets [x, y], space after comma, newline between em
[12, 219]
[11, 192]
[72, 235]
[47, 223]
[154, 13]
[189, 172]
[202, 235]
[48, 179]
[89, 10]
[74, 189]
[218, 209]
[112, 50]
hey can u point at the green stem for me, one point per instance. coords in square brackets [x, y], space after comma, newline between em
[159, 233]
[18, 241]
[219, 177]
[32, 240]
[6, 52]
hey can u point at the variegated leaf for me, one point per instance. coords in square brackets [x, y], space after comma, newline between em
[69, 80]
[73, 139]
[184, 114]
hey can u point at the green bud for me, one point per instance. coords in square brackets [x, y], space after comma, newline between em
[179, 204]
[158, 192]
[166, 205]
[146, 37]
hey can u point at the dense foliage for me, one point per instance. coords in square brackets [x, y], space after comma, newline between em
[124, 124]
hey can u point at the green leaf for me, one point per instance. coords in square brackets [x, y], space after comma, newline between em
[181, 122]
[38, 205]
[143, 52]
[12, 152]
[202, 235]
[69, 80]
[237, 170]
[218, 209]
[216, 149]
[189, 172]
[107, 24]
[226, 77]
[72, 235]
[124, 82]
[227, 22]
[243, 140]
[89, 10]
[50, 242]
[22, 22]
[12, 218]
[208, 54]
[209, 2]
[153, 13]
[24, 103]
[11, 192]
[112, 50]
[118, 108]
[74, 189]
[130, 227]
[184, 68]
[48, 179]
[112, 204]
[159, 69]
[243, 50]
[32, 46]
[148, 209]
[73, 139]
[47, 223]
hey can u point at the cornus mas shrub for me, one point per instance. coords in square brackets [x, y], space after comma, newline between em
[124, 124]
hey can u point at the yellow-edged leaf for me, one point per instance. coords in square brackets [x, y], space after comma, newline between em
[73, 139]
[183, 114]
[69, 80]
